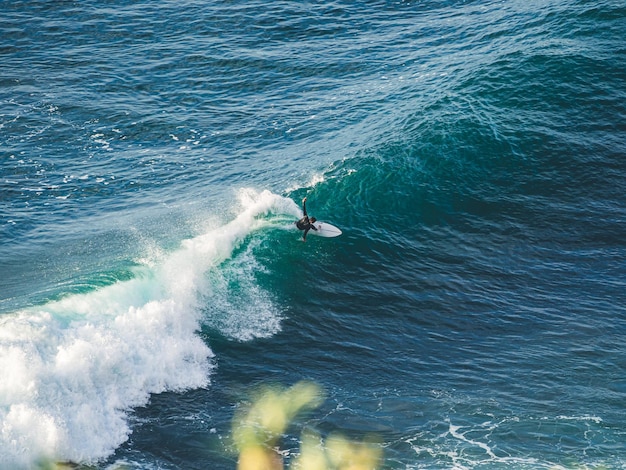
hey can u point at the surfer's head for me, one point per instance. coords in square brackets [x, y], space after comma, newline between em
[313, 220]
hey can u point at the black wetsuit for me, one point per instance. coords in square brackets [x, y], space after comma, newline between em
[304, 223]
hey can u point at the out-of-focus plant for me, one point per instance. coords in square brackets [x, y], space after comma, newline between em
[337, 453]
[258, 428]
[345, 454]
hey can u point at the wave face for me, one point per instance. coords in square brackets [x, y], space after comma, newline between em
[74, 368]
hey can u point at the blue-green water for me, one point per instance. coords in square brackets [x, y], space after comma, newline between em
[153, 156]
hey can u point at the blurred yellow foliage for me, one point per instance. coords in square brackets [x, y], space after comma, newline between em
[258, 428]
[312, 455]
[345, 454]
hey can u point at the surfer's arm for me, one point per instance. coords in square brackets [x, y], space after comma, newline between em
[304, 207]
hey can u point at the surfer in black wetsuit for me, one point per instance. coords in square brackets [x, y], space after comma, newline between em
[305, 223]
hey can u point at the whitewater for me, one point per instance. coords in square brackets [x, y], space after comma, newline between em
[74, 368]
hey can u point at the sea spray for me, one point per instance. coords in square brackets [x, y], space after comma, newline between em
[72, 369]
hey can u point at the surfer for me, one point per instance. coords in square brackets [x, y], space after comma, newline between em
[305, 223]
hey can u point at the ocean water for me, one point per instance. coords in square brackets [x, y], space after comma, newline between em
[153, 157]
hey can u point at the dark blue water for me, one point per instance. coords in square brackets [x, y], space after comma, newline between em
[153, 156]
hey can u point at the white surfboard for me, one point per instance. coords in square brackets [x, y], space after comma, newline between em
[324, 229]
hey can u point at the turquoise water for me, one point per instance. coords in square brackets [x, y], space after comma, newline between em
[153, 156]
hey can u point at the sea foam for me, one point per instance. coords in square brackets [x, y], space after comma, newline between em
[74, 368]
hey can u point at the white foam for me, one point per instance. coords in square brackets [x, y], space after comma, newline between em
[236, 291]
[454, 432]
[315, 179]
[72, 369]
